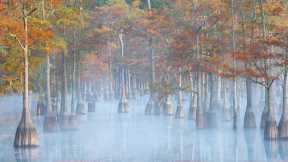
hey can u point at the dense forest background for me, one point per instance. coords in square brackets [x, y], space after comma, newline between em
[223, 53]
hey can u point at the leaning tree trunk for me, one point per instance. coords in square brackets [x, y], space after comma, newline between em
[283, 124]
[270, 130]
[249, 118]
[26, 135]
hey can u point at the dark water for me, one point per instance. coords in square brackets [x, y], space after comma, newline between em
[105, 136]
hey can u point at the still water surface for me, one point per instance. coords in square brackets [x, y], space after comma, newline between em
[106, 136]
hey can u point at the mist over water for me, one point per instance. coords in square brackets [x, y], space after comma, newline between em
[108, 136]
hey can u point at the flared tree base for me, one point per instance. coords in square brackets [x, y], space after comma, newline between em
[283, 129]
[180, 114]
[228, 115]
[249, 120]
[41, 109]
[149, 107]
[156, 109]
[200, 121]
[169, 109]
[91, 107]
[192, 113]
[152, 107]
[123, 107]
[270, 130]
[26, 136]
[235, 121]
[81, 109]
[50, 124]
[211, 118]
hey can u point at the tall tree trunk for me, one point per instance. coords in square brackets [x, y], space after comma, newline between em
[50, 120]
[81, 107]
[180, 110]
[200, 122]
[64, 109]
[152, 103]
[193, 99]
[283, 125]
[234, 82]
[74, 65]
[270, 130]
[48, 88]
[168, 105]
[249, 118]
[226, 110]
[26, 135]
[212, 111]
[123, 104]
[111, 85]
